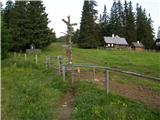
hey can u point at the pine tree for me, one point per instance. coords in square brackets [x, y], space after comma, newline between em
[104, 26]
[39, 33]
[144, 28]
[150, 33]
[19, 26]
[87, 38]
[75, 36]
[7, 13]
[113, 18]
[6, 39]
[117, 18]
[130, 31]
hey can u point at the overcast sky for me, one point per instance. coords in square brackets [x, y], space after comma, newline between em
[58, 9]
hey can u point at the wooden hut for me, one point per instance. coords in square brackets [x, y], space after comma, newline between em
[115, 42]
[137, 46]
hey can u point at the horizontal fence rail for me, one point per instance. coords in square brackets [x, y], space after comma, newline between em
[117, 70]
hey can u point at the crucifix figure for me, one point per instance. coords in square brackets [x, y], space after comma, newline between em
[68, 40]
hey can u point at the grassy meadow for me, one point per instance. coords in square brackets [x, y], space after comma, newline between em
[31, 92]
[92, 103]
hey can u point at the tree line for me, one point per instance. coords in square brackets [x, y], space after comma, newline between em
[122, 21]
[24, 23]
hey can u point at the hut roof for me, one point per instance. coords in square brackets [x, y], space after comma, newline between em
[137, 45]
[115, 40]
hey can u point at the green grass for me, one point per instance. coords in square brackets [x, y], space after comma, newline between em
[29, 91]
[92, 103]
[146, 63]
[142, 62]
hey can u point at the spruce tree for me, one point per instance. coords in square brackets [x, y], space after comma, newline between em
[104, 26]
[113, 18]
[117, 19]
[87, 38]
[7, 13]
[39, 33]
[144, 28]
[18, 26]
[6, 39]
[75, 36]
[130, 31]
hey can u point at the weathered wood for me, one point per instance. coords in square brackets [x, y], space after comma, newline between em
[33, 51]
[79, 72]
[59, 66]
[72, 75]
[64, 73]
[25, 57]
[120, 71]
[36, 59]
[94, 74]
[68, 40]
[106, 81]
[14, 54]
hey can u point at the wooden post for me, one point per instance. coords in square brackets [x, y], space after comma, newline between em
[72, 75]
[94, 74]
[25, 57]
[46, 62]
[15, 54]
[68, 40]
[36, 59]
[59, 65]
[64, 73]
[106, 82]
[79, 73]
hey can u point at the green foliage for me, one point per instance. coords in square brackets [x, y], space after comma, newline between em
[144, 28]
[117, 19]
[29, 92]
[39, 33]
[125, 23]
[75, 36]
[19, 26]
[87, 37]
[7, 13]
[6, 40]
[104, 26]
[92, 103]
[130, 27]
[28, 23]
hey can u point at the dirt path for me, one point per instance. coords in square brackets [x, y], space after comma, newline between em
[65, 106]
[133, 92]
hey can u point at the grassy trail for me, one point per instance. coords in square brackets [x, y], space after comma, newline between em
[65, 106]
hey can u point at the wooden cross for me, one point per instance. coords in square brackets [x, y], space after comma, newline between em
[68, 40]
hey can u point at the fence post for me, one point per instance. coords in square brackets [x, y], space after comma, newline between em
[106, 82]
[36, 59]
[25, 57]
[94, 74]
[15, 54]
[48, 61]
[79, 72]
[64, 73]
[59, 64]
[72, 74]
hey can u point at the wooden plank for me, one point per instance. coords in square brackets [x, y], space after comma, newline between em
[94, 74]
[120, 71]
[106, 81]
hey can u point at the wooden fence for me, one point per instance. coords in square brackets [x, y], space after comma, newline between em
[75, 71]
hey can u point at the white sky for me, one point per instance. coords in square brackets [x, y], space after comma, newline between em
[58, 9]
